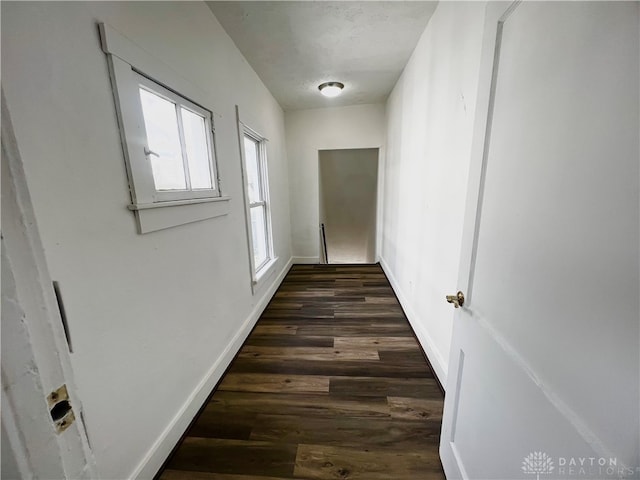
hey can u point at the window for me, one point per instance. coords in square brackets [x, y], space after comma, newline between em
[257, 200]
[168, 138]
[179, 146]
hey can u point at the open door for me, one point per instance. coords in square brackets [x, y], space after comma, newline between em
[543, 376]
[43, 433]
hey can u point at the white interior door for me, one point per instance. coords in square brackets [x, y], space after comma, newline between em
[43, 435]
[544, 371]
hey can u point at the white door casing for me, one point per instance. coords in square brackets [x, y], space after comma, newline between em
[35, 359]
[545, 352]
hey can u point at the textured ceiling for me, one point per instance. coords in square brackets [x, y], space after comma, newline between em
[296, 45]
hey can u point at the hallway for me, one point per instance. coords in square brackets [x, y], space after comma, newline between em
[330, 384]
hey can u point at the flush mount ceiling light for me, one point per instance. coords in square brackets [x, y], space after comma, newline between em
[331, 89]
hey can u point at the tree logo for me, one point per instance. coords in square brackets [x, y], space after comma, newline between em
[537, 463]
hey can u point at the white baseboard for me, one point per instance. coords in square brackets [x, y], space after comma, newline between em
[452, 462]
[437, 362]
[305, 260]
[163, 446]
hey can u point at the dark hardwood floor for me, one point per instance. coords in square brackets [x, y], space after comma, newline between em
[331, 384]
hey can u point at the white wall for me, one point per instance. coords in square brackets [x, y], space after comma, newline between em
[429, 127]
[149, 315]
[348, 200]
[308, 131]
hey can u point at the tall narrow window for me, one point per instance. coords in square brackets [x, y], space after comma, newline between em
[257, 195]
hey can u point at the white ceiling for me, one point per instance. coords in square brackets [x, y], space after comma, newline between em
[296, 45]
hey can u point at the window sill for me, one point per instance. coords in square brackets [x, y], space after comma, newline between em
[264, 274]
[152, 217]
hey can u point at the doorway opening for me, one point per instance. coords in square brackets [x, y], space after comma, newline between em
[348, 205]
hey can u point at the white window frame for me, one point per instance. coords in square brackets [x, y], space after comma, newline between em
[189, 193]
[130, 67]
[259, 273]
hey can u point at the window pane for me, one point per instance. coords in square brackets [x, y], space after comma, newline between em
[259, 233]
[197, 150]
[253, 176]
[163, 138]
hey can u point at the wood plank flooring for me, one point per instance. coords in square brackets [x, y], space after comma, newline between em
[331, 384]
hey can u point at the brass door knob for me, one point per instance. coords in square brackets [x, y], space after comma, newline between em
[457, 299]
